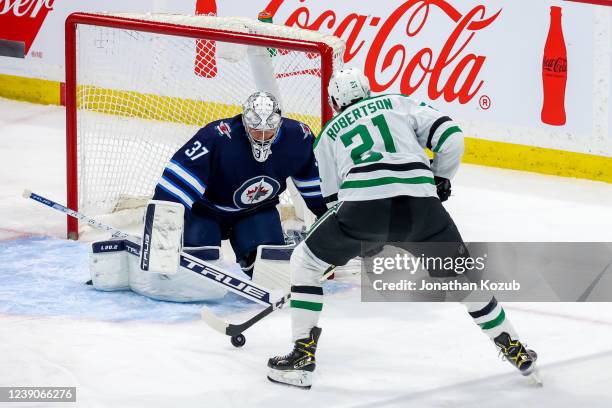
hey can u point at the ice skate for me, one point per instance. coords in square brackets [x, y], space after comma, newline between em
[297, 367]
[519, 356]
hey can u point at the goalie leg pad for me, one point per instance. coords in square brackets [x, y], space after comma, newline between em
[162, 240]
[184, 285]
[109, 265]
[272, 266]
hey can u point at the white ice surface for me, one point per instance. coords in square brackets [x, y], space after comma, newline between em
[122, 350]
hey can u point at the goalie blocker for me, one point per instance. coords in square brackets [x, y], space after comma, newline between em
[162, 238]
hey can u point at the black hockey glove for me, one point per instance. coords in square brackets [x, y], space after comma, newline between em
[443, 186]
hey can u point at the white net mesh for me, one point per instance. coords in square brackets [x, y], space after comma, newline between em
[141, 96]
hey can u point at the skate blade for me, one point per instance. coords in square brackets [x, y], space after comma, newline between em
[534, 376]
[296, 378]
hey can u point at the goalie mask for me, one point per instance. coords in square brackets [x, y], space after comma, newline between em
[261, 117]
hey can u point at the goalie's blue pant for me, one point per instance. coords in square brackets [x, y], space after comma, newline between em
[245, 233]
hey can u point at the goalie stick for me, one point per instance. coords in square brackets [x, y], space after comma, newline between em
[235, 330]
[115, 233]
[231, 282]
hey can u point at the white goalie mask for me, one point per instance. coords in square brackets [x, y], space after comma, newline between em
[261, 117]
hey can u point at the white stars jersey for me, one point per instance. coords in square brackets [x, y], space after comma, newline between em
[374, 149]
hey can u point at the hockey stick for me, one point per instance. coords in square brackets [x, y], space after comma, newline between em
[115, 233]
[235, 330]
[229, 281]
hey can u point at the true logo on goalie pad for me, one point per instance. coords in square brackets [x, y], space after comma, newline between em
[255, 190]
[146, 238]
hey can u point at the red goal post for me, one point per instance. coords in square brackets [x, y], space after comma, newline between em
[101, 110]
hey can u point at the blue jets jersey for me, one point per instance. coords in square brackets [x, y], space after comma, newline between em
[216, 169]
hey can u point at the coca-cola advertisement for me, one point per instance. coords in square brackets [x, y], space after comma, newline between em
[460, 55]
[497, 66]
[448, 69]
[468, 57]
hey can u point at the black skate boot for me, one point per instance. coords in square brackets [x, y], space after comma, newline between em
[296, 368]
[520, 357]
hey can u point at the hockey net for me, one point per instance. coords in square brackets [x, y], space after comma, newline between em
[140, 85]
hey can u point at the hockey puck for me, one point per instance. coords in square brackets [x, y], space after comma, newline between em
[238, 341]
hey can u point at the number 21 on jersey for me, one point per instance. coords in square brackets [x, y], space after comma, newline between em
[361, 136]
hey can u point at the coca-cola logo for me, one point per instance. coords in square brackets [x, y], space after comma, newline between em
[557, 65]
[451, 71]
[20, 20]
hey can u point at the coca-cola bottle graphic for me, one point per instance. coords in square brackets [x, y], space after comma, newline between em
[206, 50]
[554, 72]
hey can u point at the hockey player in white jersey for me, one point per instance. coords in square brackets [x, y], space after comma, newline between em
[382, 188]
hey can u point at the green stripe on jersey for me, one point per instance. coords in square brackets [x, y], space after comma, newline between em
[303, 304]
[445, 135]
[387, 180]
[495, 322]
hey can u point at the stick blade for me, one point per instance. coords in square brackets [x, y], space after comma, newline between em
[213, 321]
[27, 193]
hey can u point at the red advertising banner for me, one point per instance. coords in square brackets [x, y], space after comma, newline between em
[20, 20]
